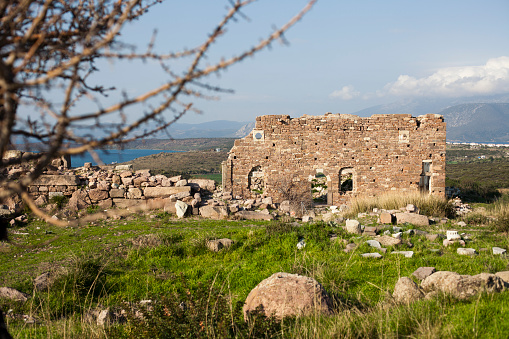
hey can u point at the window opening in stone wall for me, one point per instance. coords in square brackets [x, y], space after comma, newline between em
[319, 188]
[346, 180]
[425, 179]
[256, 183]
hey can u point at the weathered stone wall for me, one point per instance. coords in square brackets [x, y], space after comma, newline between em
[380, 153]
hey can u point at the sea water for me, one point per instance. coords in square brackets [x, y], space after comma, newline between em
[113, 156]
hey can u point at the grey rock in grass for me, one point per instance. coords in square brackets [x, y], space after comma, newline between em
[423, 272]
[13, 294]
[301, 244]
[463, 286]
[218, 244]
[396, 229]
[503, 275]
[350, 247]
[353, 226]
[284, 294]
[374, 243]
[407, 291]
[43, 281]
[371, 255]
[407, 254]
[181, 208]
[466, 251]
[498, 250]
[461, 224]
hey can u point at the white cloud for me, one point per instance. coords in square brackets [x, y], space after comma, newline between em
[346, 93]
[491, 78]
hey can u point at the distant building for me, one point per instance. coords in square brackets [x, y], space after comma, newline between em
[358, 156]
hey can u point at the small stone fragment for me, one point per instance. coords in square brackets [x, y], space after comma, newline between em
[371, 255]
[374, 243]
[423, 272]
[407, 254]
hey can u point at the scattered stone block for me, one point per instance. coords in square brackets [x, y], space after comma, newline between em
[371, 255]
[353, 226]
[407, 254]
[350, 247]
[466, 251]
[386, 240]
[386, 218]
[374, 243]
[423, 272]
[412, 218]
[214, 212]
[498, 250]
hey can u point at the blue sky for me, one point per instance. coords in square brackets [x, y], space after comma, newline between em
[343, 56]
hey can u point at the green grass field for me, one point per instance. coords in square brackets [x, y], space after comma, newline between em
[157, 257]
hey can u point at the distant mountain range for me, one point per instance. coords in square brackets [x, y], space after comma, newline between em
[474, 119]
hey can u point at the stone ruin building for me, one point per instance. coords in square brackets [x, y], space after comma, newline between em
[338, 156]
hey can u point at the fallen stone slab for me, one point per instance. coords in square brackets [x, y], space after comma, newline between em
[499, 251]
[214, 212]
[466, 251]
[205, 184]
[254, 215]
[374, 243]
[423, 272]
[57, 180]
[386, 218]
[407, 254]
[412, 218]
[163, 192]
[371, 255]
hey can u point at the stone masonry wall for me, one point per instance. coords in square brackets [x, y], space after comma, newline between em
[384, 152]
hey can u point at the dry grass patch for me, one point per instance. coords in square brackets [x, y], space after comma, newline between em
[428, 204]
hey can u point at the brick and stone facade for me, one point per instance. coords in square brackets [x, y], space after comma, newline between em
[358, 156]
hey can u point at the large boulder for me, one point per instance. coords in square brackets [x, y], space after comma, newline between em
[214, 212]
[79, 200]
[217, 244]
[412, 218]
[181, 208]
[463, 286]
[284, 294]
[407, 291]
[13, 294]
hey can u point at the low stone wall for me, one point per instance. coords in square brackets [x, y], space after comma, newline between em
[116, 186]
